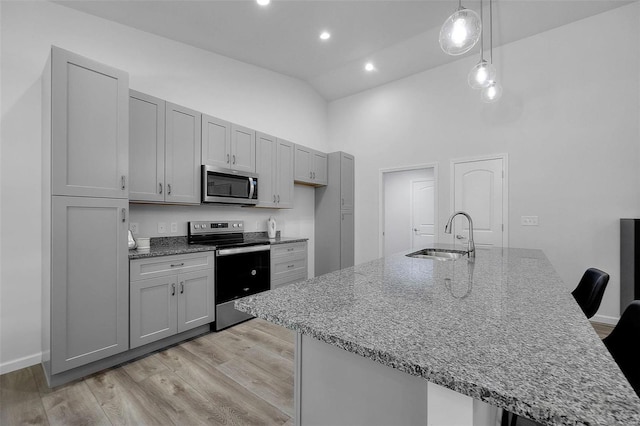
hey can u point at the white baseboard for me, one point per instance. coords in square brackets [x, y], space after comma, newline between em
[17, 364]
[605, 319]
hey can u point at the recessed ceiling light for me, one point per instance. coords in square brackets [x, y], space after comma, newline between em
[369, 67]
[263, 2]
[325, 35]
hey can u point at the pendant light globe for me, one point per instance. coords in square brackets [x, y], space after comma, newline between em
[492, 92]
[460, 32]
[481, 75]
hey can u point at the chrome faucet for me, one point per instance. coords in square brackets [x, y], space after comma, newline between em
[471, 247]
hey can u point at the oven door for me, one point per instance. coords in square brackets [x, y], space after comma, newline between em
[239, 272]
[228, 186]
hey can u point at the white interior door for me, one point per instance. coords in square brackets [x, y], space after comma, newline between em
[479, 190]
[422, 213]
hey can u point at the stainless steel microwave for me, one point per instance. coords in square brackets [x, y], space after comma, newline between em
[227, 186]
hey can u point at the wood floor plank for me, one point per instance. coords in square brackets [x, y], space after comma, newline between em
[20, 401]
[41, 381]
[603, 330]
[217, 348]
[142, 368]
[123, 401]
[276, 391]
[271, 363]
[267, 341]
[180, 401]
[272, 329]
[74, 405]
[242, 406]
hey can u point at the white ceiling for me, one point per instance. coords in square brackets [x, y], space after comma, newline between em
[400, 37]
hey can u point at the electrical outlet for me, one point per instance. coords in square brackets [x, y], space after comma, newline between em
[529, 220]
[162, 228]
[174, 227]
[133, 227]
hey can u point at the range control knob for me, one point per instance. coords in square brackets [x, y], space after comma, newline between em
[235, 225]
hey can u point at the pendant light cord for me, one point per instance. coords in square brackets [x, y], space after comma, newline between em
[490, 32]
[481, 35]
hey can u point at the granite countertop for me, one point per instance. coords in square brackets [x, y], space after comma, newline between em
[167, 246]
[503, 329]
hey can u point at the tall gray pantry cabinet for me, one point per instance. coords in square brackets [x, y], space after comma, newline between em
[334, 227]
[85, 212]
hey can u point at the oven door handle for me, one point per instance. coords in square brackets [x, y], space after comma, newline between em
[239, 250]
[252, 188]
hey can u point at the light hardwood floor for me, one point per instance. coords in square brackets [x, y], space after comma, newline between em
[239, 376]
[603, 330]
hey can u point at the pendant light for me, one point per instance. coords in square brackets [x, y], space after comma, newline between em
[483, 73]
[460, 32]
[493, 91]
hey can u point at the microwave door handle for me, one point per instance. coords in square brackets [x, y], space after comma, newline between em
[252, 188]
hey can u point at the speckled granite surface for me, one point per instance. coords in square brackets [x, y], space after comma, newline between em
[504, 330]
[167, 246]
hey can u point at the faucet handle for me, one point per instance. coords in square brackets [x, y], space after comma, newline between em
[459, 237]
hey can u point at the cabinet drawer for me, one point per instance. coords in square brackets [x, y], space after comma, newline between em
[290, 249]
[288, 280]
[166, 265]
[289, 268]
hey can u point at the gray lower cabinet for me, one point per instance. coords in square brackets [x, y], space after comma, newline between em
[169, 295]
[274, 165]
[89, 297]
[334, 225]
[288, 263]
[89, 114]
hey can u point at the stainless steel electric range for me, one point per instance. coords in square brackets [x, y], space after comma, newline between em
[242, 266]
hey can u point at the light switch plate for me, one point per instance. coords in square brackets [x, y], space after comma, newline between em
[529, 220]
[174, 227]
[133, 227]
[162, 228]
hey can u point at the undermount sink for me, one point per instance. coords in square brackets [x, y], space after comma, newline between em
[438, 254]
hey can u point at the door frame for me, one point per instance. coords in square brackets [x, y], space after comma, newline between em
[505, 187]
[381, 173]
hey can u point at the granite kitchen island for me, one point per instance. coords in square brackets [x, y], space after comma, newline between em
[423, 341]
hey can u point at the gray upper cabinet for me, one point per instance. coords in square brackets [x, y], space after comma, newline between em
[89, 282]
[266, 169]
[274, 165]
[334, 225]
[216, 142]
[243, 149]
[146, 147]
[310, 166]
[89, 127]
[182, 155]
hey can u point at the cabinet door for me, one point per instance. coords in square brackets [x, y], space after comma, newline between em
[89, 280]
[243, 149]
[346, 181]
[302, 164]
[266, 168]
[89, 127]
[196, 304]
[319, 172]
[347, 241]
[153, 309]
[216, 142]
[146, 147]
[284, 174]
[182, 155]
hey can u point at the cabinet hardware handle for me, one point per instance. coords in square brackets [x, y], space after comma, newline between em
[343, 201]
[290, 266]
[314, 175]
[182, 287]
[168, 189]
[173, 265]
[274, 198]
[234, 159]
[124, 215]
[124, 181]
[310, 175]
[278, 198]
[173, 289]
[160, 185]
[246, 289]
[227, 158]
[290, 249]
[342, 216]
